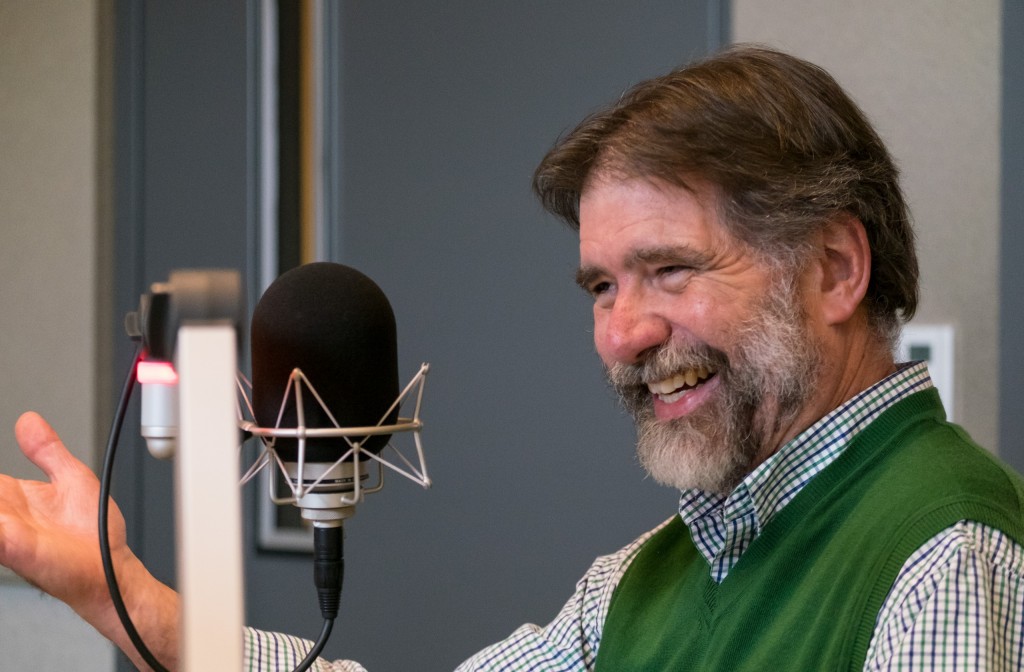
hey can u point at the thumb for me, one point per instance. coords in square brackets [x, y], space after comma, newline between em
[41, 444]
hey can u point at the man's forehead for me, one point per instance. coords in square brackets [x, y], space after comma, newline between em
[660, 214]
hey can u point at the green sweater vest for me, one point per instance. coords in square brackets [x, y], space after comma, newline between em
[806, 593]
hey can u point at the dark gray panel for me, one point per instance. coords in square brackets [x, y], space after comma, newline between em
[447, 108]
[182, 202]
[1011, 306]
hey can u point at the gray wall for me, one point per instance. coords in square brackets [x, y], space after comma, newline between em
[446, 109]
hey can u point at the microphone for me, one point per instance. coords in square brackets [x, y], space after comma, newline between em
[325, 393]
[325, 401]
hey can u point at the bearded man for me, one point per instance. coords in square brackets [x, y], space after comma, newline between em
[750, 259]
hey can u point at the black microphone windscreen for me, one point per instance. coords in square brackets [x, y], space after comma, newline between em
[337, 326]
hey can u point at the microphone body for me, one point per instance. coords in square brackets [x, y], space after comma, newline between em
[335, 326]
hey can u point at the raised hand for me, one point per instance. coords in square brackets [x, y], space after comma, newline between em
[48, 536]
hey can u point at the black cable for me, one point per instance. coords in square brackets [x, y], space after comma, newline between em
[104, 533]
[314, 653]
[328, 570]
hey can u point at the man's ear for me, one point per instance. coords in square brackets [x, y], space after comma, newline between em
[846, 268]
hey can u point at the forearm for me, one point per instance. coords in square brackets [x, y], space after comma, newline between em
[152, 606]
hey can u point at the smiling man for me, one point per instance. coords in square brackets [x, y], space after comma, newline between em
[750, 260]
[750, 257]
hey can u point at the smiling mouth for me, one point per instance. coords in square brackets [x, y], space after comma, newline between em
[676, 387]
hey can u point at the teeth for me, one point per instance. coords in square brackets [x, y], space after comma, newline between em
[687, 379]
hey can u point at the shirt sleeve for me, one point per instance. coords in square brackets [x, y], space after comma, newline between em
[957, 604]
[568, 644]
[277, 652]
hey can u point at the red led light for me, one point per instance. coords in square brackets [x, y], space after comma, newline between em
[156, 372]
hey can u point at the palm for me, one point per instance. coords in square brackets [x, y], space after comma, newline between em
[48, 530]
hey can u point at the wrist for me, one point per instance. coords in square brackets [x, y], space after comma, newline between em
[152, 606]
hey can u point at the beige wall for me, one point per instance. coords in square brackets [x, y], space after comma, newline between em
[50, 279]
[927, 72]
[49, 219]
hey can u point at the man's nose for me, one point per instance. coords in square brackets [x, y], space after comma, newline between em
[632, 328]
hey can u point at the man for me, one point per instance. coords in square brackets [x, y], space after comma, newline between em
[750, 259]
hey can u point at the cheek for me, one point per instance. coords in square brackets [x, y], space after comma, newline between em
[700, 312]
[698, 319]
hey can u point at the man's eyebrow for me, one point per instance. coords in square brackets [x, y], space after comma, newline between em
[587, 275]
[683, 255]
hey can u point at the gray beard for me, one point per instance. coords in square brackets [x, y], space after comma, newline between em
[763, 386]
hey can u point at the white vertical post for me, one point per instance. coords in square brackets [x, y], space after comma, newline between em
[208, 501]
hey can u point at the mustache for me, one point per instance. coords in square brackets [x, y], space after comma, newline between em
[630, 380]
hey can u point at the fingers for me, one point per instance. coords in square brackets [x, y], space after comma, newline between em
[41, 444]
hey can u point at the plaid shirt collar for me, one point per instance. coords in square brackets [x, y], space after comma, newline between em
[722, 527]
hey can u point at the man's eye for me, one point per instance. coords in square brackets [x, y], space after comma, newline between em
[674, 277]
[599, 288]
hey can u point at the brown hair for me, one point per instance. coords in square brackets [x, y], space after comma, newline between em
[783, 147]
